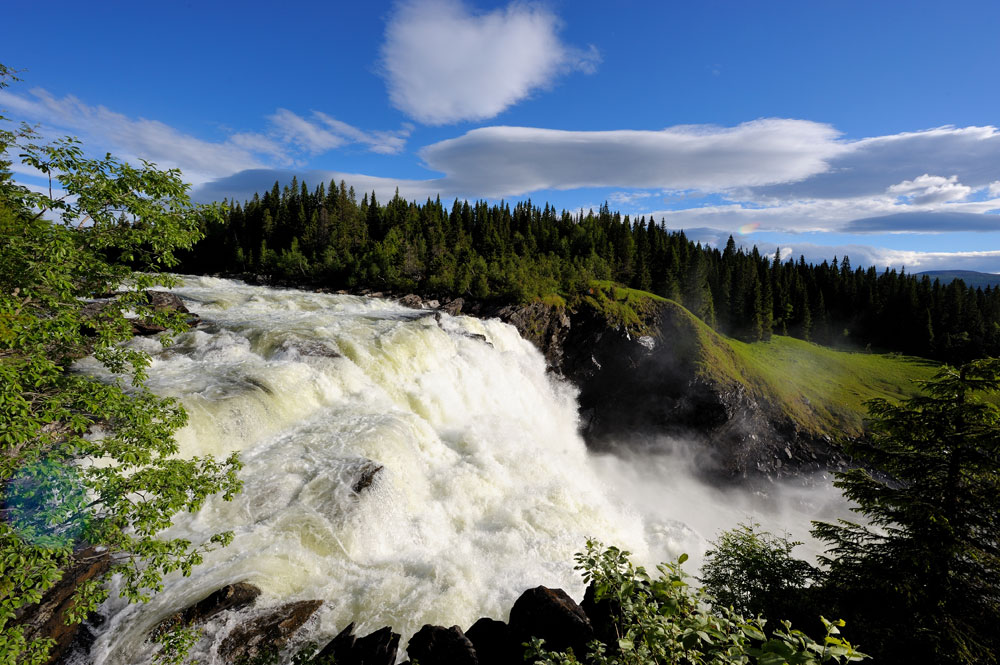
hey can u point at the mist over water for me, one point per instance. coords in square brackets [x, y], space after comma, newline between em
[486, 487]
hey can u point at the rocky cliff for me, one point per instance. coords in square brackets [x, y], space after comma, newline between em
[644, 375]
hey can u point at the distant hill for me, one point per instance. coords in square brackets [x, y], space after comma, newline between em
[970, 277]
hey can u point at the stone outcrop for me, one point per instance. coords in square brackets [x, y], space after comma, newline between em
[47, 618]
[553, 616]
[436, 645]
[493, 642]
[230, 597]
[647, 387]
[266, 633]
[378, 648]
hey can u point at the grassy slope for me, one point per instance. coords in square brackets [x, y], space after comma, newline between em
[821, 389]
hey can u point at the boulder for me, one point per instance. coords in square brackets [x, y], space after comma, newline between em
[553, 616]
[453, 307]
[493, 642]
[437, 645]
[266, 633]
[230, 597]
[162, 301]
[602, 616]
[47, 618]
[411, 300]
[378, 648]
[166, 301]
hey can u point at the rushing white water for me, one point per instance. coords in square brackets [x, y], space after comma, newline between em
[487, 487]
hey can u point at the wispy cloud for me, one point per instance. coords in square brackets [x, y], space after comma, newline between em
[444, 63]
[510, 161]
[286, 139]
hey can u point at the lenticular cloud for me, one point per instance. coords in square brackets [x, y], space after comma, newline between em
[443, 64]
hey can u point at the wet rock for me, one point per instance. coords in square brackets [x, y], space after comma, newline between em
[162, 301]
[553, 616]
[47, 618]
[230, 597]
[602, 616]
[431, 304]
[412, 300]
[494, 642]
[453, 307]
[366, 475]
[268, 632]
[378, 648]
[165, 301]
[436, 645]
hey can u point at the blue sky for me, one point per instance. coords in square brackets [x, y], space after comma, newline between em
[819, 127]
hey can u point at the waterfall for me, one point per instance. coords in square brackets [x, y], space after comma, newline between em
[405, 467]
[480, 485]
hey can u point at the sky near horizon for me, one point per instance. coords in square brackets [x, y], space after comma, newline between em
[821, 128]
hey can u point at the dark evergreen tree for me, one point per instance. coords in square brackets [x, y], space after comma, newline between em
[921, 580]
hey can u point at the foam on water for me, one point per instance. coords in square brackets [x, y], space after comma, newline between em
[486, 489]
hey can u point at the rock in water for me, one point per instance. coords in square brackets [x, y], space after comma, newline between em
[47, 618]
[230, 597]
[436, 645]
[554, 617]
[411, 300]
[164, 300]
[366, 476]
[266, 633]
[378, 648]
[493, 642]
[453, 307]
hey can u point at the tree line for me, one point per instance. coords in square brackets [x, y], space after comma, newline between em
[324, 236]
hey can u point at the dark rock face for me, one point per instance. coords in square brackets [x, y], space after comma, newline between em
[545, 326]
[267, 632]
[47, 618]
[647, 388]
[493, 642]
[230, 597]
[553, 616]
[378, 648]
[601, 615]
[436, 645]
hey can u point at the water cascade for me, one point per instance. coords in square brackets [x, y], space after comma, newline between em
[404, 466]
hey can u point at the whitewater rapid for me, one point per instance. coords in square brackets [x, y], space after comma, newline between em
[486, 487]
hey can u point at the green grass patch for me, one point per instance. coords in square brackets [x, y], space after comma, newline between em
[821, 389]
[623, 307]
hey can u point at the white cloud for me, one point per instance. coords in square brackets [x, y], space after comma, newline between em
[131, 138]
[930, 189]
[994, 189]
[629, 198]
[506, 161]
[288, 136]
[444, 63]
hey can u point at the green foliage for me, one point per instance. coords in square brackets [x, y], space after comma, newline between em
[175, 645]
[82, 461]
[524, 253]
[663, 620]
[754, 572]
[922, 578]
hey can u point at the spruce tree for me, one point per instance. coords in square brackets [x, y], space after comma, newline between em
[921, 580]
